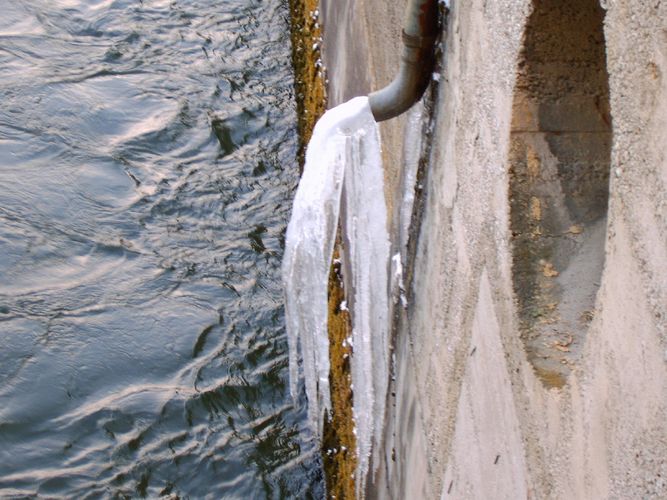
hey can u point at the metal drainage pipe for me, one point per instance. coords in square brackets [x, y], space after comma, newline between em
[420, 31]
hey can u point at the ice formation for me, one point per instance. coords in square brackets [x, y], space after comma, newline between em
[365, 268]
[412, 153]
[343, 175]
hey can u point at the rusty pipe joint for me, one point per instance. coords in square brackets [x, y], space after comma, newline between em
[420, 32]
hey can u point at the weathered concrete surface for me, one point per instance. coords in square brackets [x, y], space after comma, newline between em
[470, 418]
[362, 42]
[560, 149]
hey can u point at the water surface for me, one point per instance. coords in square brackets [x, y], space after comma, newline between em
[146, 169]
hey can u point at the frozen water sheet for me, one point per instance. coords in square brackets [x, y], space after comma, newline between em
[343, 168]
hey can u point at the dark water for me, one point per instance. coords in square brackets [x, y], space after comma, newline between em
[146, 169]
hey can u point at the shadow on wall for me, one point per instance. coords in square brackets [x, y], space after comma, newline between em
[559, 175]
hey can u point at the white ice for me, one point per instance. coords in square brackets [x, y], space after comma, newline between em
[343, 175]
[366, 262]
[412, 153]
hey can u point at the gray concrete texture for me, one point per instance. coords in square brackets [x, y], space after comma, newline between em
[547, 178]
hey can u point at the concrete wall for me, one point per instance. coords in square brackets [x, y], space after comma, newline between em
[362, 43]
[470, 417]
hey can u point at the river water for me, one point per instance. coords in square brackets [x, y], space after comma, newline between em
[147, 165]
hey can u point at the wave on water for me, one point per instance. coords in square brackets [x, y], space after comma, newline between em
[147, 165]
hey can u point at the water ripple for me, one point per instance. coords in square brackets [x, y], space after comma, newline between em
[146, 169]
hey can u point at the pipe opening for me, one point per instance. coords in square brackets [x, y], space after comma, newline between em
[559, 174]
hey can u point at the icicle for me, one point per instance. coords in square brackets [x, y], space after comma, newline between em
[308, 249]
[366, 256]
[412, 152]
[343, 168]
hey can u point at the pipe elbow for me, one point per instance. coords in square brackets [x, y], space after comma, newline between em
[416, 67]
